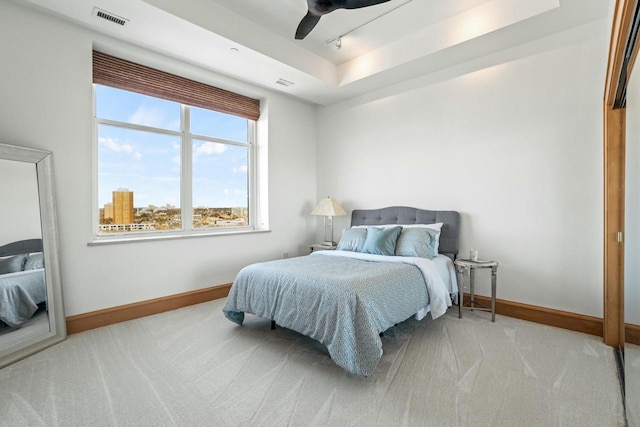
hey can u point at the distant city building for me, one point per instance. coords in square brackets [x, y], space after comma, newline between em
[108, 211]
[127, 227]
[230, 223]
[122, 206]
[121, 216]
[240, 212]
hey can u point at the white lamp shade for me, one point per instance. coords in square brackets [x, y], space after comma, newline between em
[328, 207]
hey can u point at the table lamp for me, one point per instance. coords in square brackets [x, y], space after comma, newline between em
[328, 207]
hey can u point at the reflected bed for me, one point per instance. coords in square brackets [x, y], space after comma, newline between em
[22, 281]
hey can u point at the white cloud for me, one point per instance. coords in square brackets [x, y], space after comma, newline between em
[210, 148]
[176, 160]
[174, 124]
[137, 155]
[226, 191]
[241, 169]
[113, 145]
[149, 117]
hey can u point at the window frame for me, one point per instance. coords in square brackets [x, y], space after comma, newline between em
[186, 179]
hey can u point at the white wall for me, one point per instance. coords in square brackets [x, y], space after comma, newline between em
[20, 207]
[515, 147]
[46, 102]
[632, 204]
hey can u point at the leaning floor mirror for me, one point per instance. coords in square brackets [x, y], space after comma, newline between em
[31, 306]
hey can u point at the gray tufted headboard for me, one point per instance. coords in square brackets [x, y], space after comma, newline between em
[449, 236]
[21, 247]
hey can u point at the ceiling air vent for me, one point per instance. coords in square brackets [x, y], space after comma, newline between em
[109, 16]
[284, 82]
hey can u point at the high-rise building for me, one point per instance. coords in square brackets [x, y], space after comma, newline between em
[122, 206]
[108, 211]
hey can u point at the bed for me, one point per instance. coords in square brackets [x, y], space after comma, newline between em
[346, 299]
[22, 281]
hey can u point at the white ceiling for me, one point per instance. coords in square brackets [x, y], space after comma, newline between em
[253, 40]
[399, 18]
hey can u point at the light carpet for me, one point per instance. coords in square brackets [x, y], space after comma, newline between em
[192, 367]
[632, 383]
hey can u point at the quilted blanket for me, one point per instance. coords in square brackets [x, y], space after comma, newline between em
[342, 299]
[20, 294]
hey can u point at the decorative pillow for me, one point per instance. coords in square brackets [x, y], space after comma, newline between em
[381, 240]
[12, 264]
[352, 239]
[34, 261]
[436, 226]
[417, 242]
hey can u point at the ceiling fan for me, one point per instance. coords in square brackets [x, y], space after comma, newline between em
[317, 8]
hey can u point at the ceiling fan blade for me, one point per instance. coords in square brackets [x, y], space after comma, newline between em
[306, 25]
[356, 4]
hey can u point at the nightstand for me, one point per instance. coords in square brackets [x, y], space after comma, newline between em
[321, 247]
[466, 267]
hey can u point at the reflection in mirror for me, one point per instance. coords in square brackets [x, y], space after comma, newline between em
[31, 312]
[23, 291]
[632, 253]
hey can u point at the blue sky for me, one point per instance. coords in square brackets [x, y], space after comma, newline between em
[148, 163]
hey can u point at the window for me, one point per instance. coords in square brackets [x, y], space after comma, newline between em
[167, 166]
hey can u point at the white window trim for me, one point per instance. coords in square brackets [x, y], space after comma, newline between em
[185, 185]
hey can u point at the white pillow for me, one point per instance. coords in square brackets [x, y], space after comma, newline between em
[437, 226]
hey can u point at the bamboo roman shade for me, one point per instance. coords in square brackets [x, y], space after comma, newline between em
[122, 74]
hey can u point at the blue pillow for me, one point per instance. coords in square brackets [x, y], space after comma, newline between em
[381, 241]
[12, 264]
[418, 242]
[352, 239]
[34, 261]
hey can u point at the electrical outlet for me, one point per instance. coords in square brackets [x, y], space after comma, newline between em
[285, 255]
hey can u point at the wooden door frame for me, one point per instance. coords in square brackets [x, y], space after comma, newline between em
[614, 127]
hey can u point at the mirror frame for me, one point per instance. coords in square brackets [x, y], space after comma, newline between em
[48, 220]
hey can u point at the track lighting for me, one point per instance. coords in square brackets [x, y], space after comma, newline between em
[338, 39]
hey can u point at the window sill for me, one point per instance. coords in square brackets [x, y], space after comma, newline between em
[100, 241]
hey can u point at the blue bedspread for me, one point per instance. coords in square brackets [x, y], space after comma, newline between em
[342, 299]
[20, 294]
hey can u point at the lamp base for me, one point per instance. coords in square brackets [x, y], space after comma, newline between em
[327, 243]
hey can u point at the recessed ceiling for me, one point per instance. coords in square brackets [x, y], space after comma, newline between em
[386, 44]
[382, 23]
